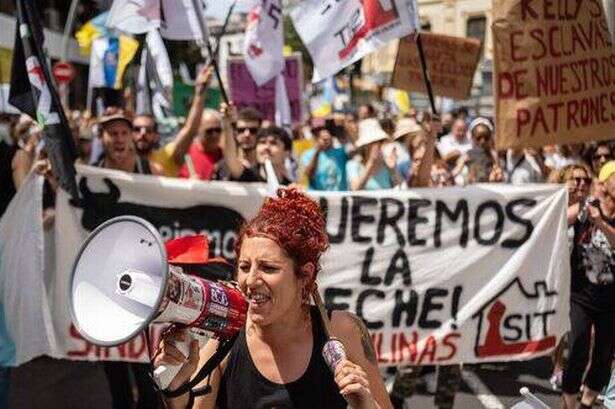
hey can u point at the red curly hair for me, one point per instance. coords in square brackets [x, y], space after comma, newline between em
[295, 222]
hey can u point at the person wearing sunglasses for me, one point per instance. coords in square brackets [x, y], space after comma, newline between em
[245, 154]
[205, 151]
[578, 181]
[168, 158]
[592, 294]
[248, 123]
[600, 155]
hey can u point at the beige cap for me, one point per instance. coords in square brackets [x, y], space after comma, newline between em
[370, 131]
[406, 126]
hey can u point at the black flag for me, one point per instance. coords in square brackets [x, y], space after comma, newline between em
[33, 93]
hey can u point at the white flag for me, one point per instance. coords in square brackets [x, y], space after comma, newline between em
[282, 105]
[339, 33]
[155, 81]
[177, 20]
[134, 16]
[264, 40]
[26, 325]
[181, 21]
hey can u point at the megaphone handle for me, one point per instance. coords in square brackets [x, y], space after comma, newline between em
[164, 374]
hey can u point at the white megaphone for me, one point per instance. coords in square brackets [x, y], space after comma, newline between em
[123, 279]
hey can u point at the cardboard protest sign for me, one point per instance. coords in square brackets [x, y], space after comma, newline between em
[440, 276]
[554, 73]
[451, 63]
[245, 93]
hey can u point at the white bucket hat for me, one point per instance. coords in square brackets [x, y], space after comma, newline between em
[406, 126]
[370, 131]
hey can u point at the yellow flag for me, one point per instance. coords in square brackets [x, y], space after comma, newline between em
[128, 49]
[85, 36]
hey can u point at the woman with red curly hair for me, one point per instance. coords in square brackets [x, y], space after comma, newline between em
[276, 360]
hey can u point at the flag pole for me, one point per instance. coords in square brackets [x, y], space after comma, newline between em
[68, 28]
[419, 45]
[198, 11]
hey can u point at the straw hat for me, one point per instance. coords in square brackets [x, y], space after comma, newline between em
[107, 119]
[406, 126]
[370, 131]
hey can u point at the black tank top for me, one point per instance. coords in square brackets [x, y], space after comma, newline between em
[243, 387]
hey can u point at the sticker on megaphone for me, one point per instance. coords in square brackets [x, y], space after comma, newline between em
[218, 309]
[210, 310]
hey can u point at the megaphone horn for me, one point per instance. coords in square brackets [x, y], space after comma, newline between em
[122, 281]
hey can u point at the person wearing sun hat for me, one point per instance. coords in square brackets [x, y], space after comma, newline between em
[371, 170]
[411, 136]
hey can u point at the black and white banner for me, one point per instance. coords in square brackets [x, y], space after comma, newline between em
[440, 276]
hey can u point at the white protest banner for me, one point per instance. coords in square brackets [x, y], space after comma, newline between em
[338, 33]
[26, 327]
[440, 276]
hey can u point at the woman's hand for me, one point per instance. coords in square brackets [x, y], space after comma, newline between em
[594, 214]
[374, 159]
[168, 354]
[390, 160]
[352, 381]
[497, 174]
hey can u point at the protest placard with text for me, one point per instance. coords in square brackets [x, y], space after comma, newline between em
[440, 276]
[554, 72]
[451, 63]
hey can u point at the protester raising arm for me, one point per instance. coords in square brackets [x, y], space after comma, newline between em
[594, 213]
[24, 157]
[310, 169]
[373, 163]
[231, 157]
[184, 137]
[425, 156]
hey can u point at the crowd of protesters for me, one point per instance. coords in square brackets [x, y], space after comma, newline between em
[359, 150]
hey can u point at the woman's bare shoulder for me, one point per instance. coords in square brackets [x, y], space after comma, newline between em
[354, 334]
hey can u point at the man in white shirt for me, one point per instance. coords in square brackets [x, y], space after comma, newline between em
[456, 143]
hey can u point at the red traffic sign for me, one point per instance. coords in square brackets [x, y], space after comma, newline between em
[63, 72]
